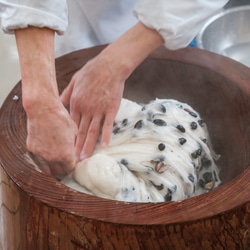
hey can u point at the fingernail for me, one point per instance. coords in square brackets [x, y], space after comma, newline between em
[104, 144]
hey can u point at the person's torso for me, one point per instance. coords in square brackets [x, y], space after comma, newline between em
[94, 22]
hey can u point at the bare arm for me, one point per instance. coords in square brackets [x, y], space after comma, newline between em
[51, 132]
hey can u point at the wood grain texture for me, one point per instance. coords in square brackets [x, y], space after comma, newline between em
[38, 212]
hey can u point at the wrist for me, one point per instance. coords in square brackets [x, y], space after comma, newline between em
[36, 55]
[129, 50]
[38, 104]
[39, 90]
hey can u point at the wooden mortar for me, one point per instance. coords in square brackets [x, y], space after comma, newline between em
[38, 212]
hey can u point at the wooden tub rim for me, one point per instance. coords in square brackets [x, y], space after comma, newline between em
[91, 207]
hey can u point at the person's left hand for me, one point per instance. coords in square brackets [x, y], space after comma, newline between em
[94, 94]
[95, 91]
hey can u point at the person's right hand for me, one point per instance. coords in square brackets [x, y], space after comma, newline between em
[51, 131]
[51, 137]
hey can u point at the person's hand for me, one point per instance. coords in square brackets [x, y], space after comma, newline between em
[51, 131]
[94, 94]
[51, 137]
[95, 91]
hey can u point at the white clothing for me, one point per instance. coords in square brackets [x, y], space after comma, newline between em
[177, 21]
[93, 22]
[21, 13]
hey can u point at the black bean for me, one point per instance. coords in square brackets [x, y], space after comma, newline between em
[163, 108]
[168, 196]
[193, 114]
[124, 162]
[159, 122]
[182, 140]
[125, 122]
[205, 140]
[201, 183]
[161, 146]
[116, 130]
[194, 155]
[181, 128]
[143, 108]
[194, 125]
[190, 112]
[158, 187]
[208, 177]
[139, 124]
[205, 162]
[191, 177]
[199, 151]
[201, 122]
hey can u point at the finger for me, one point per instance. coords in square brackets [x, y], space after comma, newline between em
[107, 130]
[66, 94]
[91, 139]
[59, 169]
[63, 167]
[81, 136]
[55, 169]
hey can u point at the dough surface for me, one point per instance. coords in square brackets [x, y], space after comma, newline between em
[158, 152]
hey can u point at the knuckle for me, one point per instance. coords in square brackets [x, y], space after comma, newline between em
[81, 133]
[93, 131]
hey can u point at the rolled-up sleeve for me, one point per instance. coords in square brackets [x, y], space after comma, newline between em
[178, 21]
[17, 14]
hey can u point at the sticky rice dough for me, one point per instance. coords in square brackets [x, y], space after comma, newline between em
[158, 152]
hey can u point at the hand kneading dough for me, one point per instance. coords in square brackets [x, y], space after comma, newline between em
[158, 152]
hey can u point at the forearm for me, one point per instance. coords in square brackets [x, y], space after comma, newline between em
[51, 132]
[36, 53]
[129, 50]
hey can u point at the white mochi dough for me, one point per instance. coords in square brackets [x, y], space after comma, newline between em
[158, 152]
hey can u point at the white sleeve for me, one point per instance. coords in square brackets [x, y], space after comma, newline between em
[16, 14]
[177, 21]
